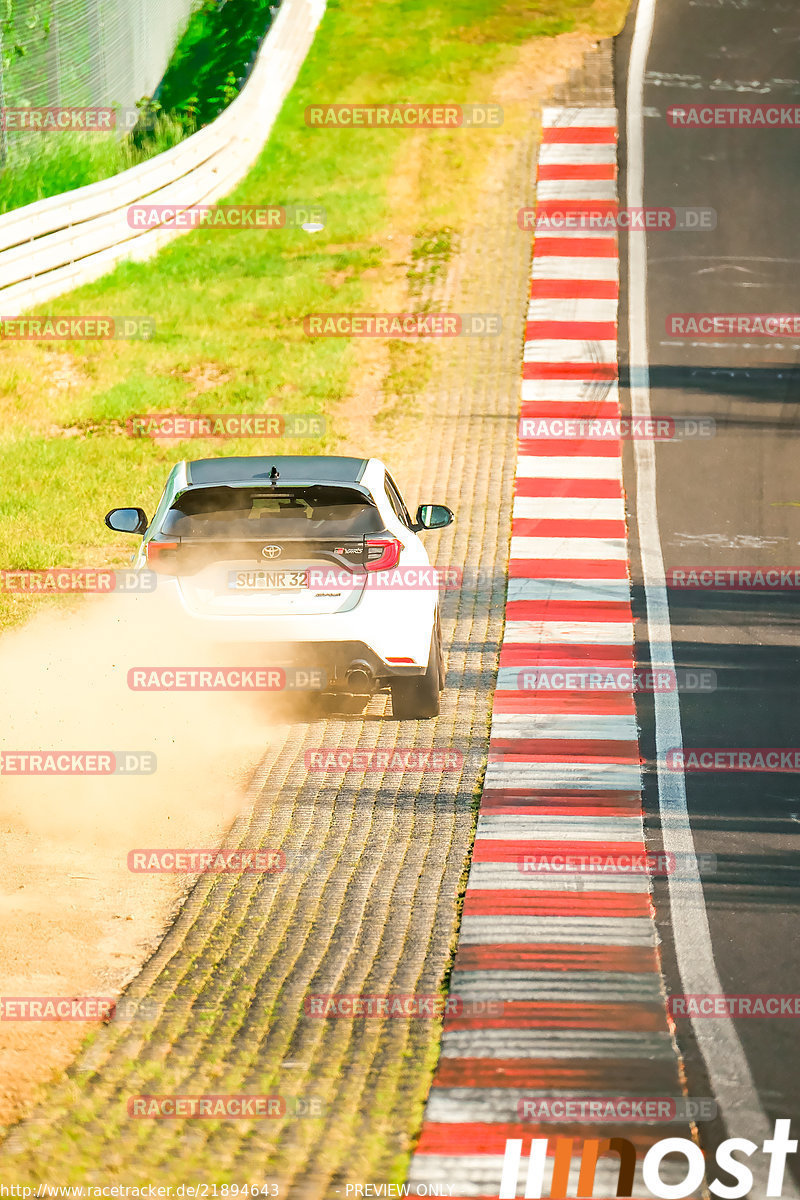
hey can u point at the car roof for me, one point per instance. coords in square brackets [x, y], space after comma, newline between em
[292, 468]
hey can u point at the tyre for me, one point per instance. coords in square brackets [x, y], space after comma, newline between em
[417, 698]
[441, 655]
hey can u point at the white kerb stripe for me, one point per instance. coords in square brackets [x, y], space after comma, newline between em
[577, 267]
[566, 349]
[553, 231]
[608, 726]
[577, 153]
[572, 309]
[532, 828]
[576, 189]
[569, 508]
[617, 590]
[592, 987]
[495, 876]
[583, 776]
[569, 391]
[568, 466]
[567, 547]
[534, 1043]
[600, 633]
[566, 931]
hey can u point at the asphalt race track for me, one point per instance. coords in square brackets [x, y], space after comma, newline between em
[728, 500]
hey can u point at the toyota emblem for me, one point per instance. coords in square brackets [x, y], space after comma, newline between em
[271, 551]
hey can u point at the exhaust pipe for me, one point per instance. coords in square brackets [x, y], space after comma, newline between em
[359, 679]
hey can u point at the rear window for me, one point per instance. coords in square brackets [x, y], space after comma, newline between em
[272, 512]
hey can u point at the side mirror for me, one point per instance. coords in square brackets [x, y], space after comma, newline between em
[432, 516]
[127, 520]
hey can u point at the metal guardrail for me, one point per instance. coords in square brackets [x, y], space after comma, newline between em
[56, 244]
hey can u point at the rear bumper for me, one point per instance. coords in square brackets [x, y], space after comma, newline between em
[381, 628]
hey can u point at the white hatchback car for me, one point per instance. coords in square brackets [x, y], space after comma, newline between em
[310, 561]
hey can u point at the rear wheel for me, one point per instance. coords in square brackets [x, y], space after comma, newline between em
[417, 698]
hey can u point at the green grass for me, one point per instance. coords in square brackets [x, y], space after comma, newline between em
[234, 302]
[58, 162]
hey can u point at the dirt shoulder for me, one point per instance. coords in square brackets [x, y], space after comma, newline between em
[75, 921]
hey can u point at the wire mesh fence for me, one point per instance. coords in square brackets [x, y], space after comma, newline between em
[68, 54]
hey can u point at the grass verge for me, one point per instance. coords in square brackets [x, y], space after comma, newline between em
[53, 163]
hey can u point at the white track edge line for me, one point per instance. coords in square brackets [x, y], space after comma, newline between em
[728, 1069]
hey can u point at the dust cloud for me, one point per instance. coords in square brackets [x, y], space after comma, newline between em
[74, 921]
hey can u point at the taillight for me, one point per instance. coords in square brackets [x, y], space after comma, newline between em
[382, 553]
[162, 557]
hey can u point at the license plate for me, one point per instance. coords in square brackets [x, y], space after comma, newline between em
[268, 581]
